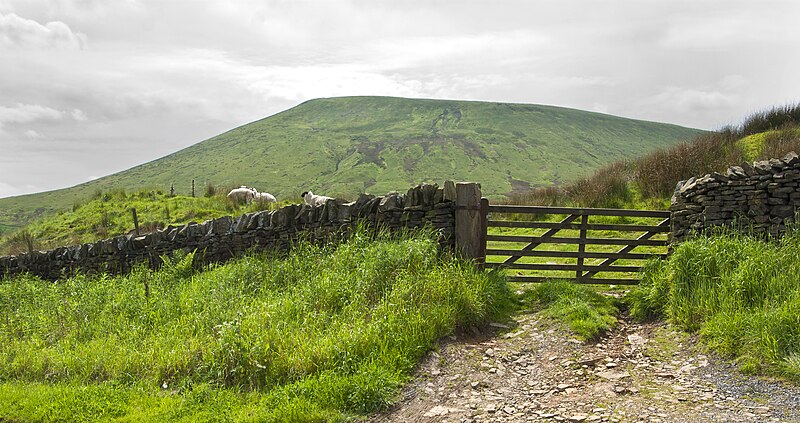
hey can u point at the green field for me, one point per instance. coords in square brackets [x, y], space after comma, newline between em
[345, 146]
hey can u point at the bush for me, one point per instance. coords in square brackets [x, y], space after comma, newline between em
[775, 118]
[608, 187]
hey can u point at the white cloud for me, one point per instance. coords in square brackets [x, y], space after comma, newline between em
[693, 100]
[21, 33]
[496, 49]
[34, 113]
[27, 113]
[733, 27]
[79, 115]
[33, 135]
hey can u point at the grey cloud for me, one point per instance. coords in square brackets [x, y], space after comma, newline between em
[160, 75]
[21, 33]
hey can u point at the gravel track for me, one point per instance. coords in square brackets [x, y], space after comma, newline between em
[534, 371]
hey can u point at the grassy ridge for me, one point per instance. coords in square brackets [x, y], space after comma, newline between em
[320, 335]
[344, 146]
[740, 293]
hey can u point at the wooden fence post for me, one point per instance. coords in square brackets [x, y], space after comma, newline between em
[135, 221]
[470, 225]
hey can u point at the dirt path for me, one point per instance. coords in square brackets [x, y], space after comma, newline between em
[533, 371]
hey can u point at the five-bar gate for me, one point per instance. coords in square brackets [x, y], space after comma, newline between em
[589, 245]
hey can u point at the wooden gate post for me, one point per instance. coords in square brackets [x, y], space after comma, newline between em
[470, 225]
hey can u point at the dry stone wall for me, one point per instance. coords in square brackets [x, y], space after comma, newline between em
[762, 197]
[226, 237]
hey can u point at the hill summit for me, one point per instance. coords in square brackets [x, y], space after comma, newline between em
[347, 145]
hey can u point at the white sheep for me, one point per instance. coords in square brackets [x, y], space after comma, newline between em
[314, 200]
[265, 197]
[242, 194]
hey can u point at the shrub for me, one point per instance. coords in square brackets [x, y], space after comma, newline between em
[775, 118]
[608, 187]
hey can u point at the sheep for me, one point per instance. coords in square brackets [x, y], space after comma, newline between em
[265, 197]
[242, 194]
[314, 200]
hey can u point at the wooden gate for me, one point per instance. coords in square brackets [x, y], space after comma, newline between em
[588, 245]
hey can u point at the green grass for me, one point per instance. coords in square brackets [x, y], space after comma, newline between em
[324, 334]
[109, 214]
[740, 293]
[588, 313]
[345, 146]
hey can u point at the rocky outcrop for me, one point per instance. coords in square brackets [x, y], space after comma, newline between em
[226, 237]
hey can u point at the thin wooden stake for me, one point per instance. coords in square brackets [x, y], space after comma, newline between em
[135, 221]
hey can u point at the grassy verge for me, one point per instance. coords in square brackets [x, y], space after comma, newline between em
[741, 294]
[324, 334]
[585, 311]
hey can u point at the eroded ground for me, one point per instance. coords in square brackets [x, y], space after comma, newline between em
[534, 371]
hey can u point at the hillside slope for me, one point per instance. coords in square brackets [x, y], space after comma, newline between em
[343, 146]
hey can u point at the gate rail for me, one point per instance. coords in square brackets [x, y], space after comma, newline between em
[576, 219]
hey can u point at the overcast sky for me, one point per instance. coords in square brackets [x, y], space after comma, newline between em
[92, 87]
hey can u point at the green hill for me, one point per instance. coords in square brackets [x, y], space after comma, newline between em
[344, 146]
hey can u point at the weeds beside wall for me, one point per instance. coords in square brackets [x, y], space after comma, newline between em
[226, 237]
[762, 198]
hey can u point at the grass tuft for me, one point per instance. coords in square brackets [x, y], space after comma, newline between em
[585, 311]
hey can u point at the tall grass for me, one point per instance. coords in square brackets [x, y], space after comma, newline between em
[774, 118]
[319, 335]
[740, 293]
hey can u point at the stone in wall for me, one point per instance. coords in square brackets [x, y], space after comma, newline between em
[763, 198]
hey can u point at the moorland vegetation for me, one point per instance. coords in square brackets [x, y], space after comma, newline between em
[649, 181]
[739, 292]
